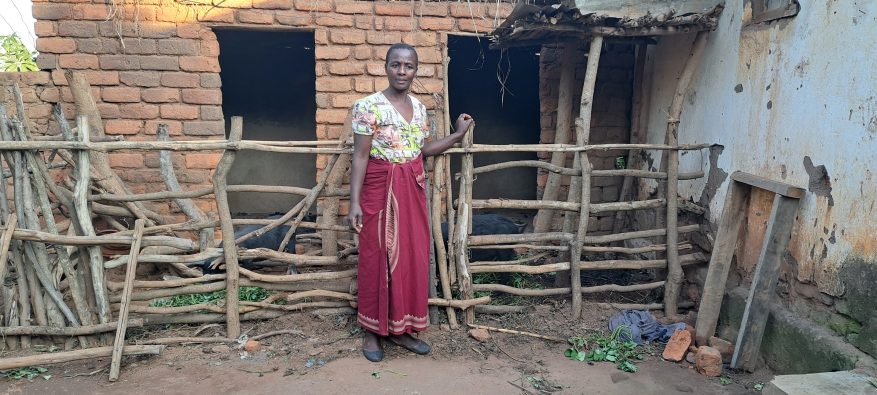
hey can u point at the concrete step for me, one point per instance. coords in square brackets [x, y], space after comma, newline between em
[840, 383]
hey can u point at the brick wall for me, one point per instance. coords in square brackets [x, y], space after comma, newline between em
[610, 118]
[158, 63]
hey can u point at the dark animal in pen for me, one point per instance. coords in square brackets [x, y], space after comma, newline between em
[270, 240]
[489, 224]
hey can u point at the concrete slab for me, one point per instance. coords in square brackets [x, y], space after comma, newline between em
[840, 383]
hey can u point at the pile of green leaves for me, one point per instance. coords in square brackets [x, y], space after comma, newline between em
[247, 294]
[598, 347]
[14, 56]
[28, 373]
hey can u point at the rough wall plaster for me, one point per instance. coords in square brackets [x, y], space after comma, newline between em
[775, 94]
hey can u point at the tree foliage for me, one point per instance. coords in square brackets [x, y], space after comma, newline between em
[14, 55]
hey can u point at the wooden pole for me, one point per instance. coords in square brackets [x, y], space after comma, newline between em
[448, 180]
[166, 166]
[233, 323]
[332, 205]
[674, 269]
[65, 331]
[583, 131]
[566, 88]
[464, 224]
[441, 253]
[67, 356]
[11, 222]
[80, 201]
[122, 327]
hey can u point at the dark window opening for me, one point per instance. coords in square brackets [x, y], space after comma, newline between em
[500, 89]
[268, 79]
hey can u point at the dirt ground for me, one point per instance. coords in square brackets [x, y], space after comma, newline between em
[326, 359]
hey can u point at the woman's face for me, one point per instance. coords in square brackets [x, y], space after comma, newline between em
[401, 69]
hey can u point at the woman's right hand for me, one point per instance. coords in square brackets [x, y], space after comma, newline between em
[354, 217]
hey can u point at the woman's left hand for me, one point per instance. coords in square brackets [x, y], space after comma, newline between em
[464, 122]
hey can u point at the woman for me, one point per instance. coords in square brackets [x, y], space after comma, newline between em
[388, 207]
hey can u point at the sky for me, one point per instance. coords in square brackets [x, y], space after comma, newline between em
[15, 17]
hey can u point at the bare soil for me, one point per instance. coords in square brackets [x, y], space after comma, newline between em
[327, 359]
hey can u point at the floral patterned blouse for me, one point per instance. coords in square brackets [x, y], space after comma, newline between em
[393, 138]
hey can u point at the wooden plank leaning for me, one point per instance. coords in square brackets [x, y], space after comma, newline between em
[122, 326]
[583, 132]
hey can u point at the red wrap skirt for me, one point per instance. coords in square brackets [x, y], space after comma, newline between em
[393, 270]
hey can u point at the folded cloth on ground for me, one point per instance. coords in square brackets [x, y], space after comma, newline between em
[643, 326]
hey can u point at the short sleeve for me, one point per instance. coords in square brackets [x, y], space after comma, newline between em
[363, 120]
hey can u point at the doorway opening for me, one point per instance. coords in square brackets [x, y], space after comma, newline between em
[500, 89]
[268, 79]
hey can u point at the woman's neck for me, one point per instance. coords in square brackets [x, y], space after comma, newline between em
[394, 94]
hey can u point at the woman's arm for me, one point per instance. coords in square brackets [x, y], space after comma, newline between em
[361, 147]
[464, 122]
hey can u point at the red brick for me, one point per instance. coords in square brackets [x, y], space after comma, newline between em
[293, 18]
[148, 79]
[332, 116]
[346, 68]
[255, 17]
[420, 39]
[160, 95]
[400, 23]
[50, 95]
[77, 29]
[217, 15]
[202, 96]
[354, 7]
[56, 45]
[333, 84]
[157, 30]
[175, 128]
[211, 113]
[365, 22]
[199, 63]
[334, 131]
[204, 128]
[273, 4]
[677, 346]
[426, 70]
[120, 126]
[362, 52]
[377, 69]
[364, 85]
[332, 53]
[321, 36]
[44, 28]
[119, 62]
[431, 55]
[475, 25]
[96, 45]
[431, 9]
[347, 36]
[384, 37]
[47, 61]
[130, 161]
[92, 12]
[395, 8]
[314, 5]
[345, 101]
[323, 100]
[51, 12]
[98, 77]
[335, 20]
[500, 10]
[179, 80]
[211, 81]
[177, 46]
[106, 110]
[78, 61]
[708, 361]
[179, 111]
[209, 48]
[190, 30]
[468, 10]
[118, 94]
[139, 111]
[427, 86]
[139, 46]
[163, 63]
[202, 161]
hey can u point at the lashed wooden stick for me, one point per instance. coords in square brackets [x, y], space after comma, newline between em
[65, 331]
[512, 331]
[130, 271]
[233, 322]
[67, 356]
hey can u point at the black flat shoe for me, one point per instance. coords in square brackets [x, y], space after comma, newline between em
[373, 356]
[420, 348]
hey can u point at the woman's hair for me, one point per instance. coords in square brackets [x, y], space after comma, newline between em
[399, 47]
